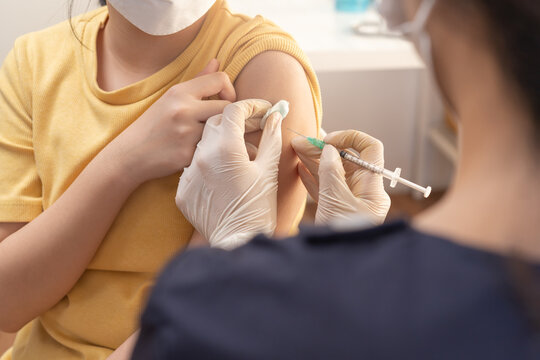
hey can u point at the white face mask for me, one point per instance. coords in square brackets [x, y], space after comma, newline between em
[396, 19]
[162, 17]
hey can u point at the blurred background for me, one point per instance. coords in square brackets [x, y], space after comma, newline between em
[369, 82]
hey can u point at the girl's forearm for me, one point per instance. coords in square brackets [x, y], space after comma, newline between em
[42, 261]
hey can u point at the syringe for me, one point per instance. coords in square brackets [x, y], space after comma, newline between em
[395, 177]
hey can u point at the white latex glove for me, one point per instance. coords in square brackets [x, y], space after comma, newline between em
[223, 194]
[342, 189]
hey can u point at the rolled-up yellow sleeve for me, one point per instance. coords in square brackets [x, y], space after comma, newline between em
[20, 186]
[265, 36]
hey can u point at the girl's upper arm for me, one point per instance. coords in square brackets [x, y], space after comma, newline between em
[7, 229]
[275, 76]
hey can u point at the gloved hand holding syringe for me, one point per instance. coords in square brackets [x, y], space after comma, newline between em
[395, 177]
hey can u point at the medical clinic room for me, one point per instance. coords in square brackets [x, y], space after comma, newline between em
[273, 180]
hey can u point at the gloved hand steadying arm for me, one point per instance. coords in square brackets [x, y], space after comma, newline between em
[223, 194]
[342, 189]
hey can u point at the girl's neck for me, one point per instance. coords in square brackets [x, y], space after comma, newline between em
[127, 54]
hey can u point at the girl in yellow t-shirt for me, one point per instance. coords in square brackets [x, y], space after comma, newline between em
[98, 115]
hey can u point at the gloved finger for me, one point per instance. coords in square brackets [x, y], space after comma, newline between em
[211, 67]
[252, 151]
[184, 187]
[308, 154]
[237, 114]
[211, 131]
[335, 198]
[333, 186]
[271, 141]
[309, 182]
[358, 178]
[331, 171]
[253, 124]
[369, 148]
[213, 145]
[192, 171]
[364, 182]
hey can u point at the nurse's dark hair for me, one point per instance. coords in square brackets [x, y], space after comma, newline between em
[512, 29]
[512, 32]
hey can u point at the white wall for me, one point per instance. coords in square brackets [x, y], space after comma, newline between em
[374, 100]
[18, 17]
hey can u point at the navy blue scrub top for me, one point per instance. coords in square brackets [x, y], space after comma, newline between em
[388, 292]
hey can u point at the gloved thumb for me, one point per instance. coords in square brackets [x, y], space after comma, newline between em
[308, 154]
[330, 165]
[236, 115]
[270, 145]
[252, 151]
[333, 187]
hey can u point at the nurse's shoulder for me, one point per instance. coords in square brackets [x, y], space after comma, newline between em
[341, 295]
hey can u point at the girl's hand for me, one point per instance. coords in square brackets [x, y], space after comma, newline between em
[162, 141]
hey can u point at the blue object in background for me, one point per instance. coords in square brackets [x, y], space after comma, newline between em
[353, 5]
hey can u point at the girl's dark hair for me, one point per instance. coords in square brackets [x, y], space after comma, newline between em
[70, 13]
[513, 31]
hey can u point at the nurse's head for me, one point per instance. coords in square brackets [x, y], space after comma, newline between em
[482, 49]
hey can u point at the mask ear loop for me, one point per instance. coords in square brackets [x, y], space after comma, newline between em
[414, 28]
[420, 20]
[425, 45]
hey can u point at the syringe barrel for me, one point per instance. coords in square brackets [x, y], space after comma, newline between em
[388, 174]
[385, 173]
[357, 161]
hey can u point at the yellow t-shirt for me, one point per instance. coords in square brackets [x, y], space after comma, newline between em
[54, 119]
